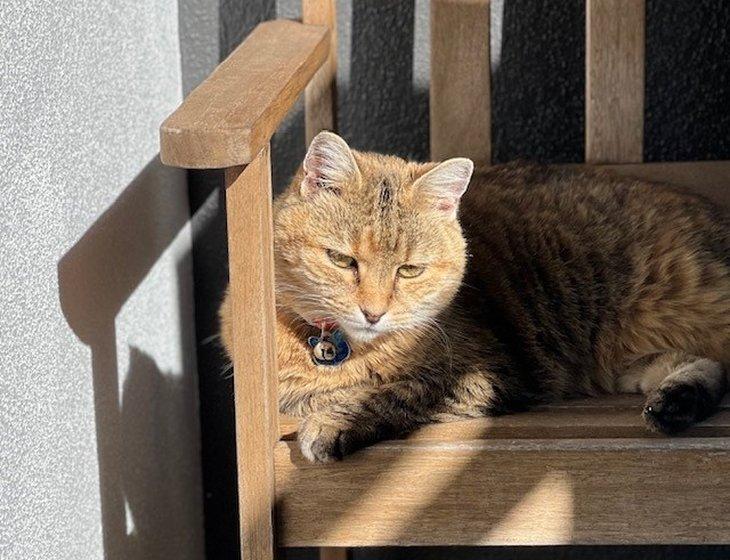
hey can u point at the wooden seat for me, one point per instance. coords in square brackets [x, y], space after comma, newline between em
[585, 471]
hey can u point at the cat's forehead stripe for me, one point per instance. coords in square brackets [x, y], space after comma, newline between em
[385, 196]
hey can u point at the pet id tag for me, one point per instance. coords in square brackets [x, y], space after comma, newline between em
[329, 349]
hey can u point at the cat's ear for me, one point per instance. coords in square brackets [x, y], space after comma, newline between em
[329, 164]
[443, 186]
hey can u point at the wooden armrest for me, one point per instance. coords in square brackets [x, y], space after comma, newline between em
[232, 115]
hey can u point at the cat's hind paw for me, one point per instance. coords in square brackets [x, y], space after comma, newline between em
[674, 408]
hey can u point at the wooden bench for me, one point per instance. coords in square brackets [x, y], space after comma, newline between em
[578, 472]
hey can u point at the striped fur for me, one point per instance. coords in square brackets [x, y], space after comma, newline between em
[551, 284]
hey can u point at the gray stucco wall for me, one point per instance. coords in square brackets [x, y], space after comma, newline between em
[99, 435]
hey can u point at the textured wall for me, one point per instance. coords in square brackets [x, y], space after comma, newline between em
[99, 437]
[538, 102]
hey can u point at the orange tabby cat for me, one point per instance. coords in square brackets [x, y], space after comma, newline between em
[572, 283]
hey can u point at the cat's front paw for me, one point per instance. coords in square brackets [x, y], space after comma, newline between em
[325, 437]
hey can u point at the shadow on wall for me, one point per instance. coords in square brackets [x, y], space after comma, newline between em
[144, 444]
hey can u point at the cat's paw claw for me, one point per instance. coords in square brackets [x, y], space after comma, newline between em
[323, 439]
[672, 409]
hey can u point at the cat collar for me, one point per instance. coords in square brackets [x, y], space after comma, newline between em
[330, 348]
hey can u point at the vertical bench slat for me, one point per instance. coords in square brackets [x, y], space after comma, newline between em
[460, 80]
[320, 96]
[250, 233]
[615, 81]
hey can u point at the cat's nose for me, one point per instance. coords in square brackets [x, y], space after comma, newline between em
[371, 317]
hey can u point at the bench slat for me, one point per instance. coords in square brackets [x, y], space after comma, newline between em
[248, 209]
[460, 80]
[229, 118]
[614, 81]
[536, 492]
[320, 94]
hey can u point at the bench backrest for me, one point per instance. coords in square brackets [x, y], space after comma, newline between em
[460, 80]
[460, 90]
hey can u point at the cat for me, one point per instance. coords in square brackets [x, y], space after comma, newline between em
[535, 284]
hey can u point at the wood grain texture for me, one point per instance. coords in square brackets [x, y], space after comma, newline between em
[460, 80]
[583, 471]
[483, 492]
[248, 206]
[320, 95]
[229, 118]
[615, 81]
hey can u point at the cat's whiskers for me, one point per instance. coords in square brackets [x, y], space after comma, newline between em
[209, 339]
[433, 326]
[306, 301]
[225, 370]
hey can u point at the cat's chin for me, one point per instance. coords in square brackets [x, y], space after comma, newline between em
[362, 334]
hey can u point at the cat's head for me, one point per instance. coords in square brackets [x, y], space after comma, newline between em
[369, 242]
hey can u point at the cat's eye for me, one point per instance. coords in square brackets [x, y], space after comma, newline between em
[343, 261]
[410, 271]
